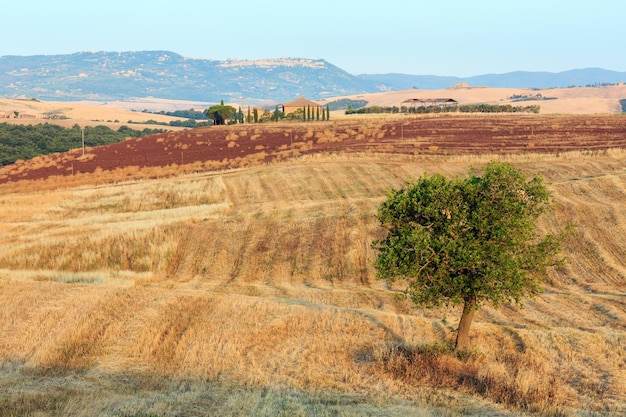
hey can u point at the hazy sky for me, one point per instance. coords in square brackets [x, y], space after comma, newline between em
[434, 37]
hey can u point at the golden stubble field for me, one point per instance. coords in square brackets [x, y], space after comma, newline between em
[84, 113]
[574, 100]
[114, 114]
[252, 292]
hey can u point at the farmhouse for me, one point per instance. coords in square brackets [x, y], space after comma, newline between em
[301, 103]
[413, 103]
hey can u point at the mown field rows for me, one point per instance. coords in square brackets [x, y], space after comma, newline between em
[252, 291]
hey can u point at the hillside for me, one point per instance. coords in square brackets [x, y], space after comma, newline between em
[105, 76]
[262, 278]
[224, 147]
[113, 76]
[575, 100]
[516, 79]
[67, 114]
[249, 290]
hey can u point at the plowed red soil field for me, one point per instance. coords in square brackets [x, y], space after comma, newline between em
[242, 145]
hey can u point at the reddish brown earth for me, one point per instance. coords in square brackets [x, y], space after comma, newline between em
[235, 146]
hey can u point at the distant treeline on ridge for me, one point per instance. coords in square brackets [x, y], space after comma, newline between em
[464, 108]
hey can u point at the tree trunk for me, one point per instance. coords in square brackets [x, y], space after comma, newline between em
[462, 334]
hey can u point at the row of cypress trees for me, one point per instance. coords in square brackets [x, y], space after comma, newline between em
[305, 114]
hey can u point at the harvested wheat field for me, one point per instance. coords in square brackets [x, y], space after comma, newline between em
[250, 290]
[228, 147]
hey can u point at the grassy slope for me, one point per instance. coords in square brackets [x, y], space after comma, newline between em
[252, 292]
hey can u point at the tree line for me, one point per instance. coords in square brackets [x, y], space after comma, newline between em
[185, 114]
[222, 114]
[464, 108]
[23, 142]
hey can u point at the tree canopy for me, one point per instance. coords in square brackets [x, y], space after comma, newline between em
[220, 113]
[466, 241]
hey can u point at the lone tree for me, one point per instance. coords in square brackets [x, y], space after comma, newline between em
[466, 241]
[220, 113]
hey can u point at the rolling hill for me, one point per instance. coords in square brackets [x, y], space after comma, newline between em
[110, 76]
[104, 76]
[517, 79]
[249, 290]
[223, 147]
[228, 271]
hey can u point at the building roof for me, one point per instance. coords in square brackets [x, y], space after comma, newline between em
[302, 102]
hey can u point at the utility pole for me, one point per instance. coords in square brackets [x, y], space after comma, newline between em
[82, 129]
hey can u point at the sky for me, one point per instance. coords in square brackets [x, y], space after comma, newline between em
[434, 37]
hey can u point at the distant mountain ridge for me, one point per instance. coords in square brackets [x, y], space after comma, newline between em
[106, 76]
[517, 79]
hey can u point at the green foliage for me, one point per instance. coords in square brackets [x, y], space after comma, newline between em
[194, 118]
[266, 116]
[497, 108]
[466, 239]
[622, 102]
[186, 114]
[240, 117]
[296, 115]
[22, 142]
[277, 115]
[220, 113]
[374, 110]
[530, 97]
[347, 104]
[465, 108]
[190, 123]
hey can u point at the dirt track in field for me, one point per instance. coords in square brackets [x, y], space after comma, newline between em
[243, 145]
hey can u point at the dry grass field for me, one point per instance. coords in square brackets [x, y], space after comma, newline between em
[575, 100]
[67, 114]
[251, 291]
